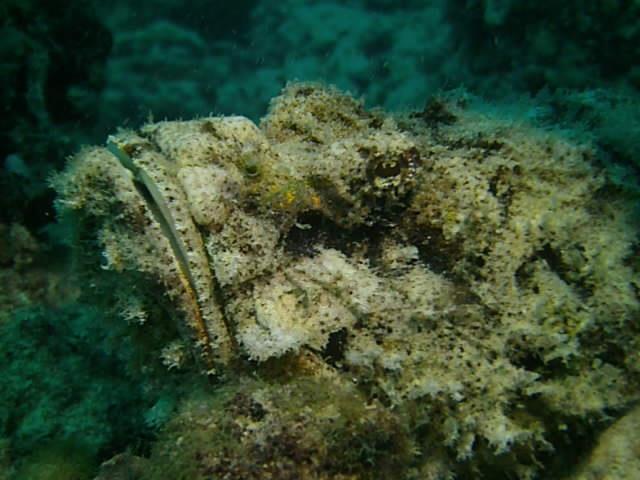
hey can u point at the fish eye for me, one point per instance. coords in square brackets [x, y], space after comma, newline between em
[251, 166]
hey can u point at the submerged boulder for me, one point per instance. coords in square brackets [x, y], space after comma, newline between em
[448, 286]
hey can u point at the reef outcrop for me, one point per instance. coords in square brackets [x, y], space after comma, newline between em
[427, 295]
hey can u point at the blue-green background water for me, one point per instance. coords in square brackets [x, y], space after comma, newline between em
[72, 72]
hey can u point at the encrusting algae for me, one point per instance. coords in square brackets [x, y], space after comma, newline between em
[434, 295]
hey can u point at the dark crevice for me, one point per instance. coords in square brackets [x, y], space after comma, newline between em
[333, 352]
[434, 251]
[314, 231]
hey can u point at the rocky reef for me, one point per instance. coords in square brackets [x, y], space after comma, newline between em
[615, 456]
[442, 294]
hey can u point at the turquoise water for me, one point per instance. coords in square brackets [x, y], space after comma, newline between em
[551, 91]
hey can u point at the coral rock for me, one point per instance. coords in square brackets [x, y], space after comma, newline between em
[471, 277]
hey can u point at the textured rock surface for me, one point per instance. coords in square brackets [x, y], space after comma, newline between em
[617, 454]
[460, 279]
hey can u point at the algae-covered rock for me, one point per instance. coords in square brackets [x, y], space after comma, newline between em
[463, 286]
[617, 453]
[298, 430]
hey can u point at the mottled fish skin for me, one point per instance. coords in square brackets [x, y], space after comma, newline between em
[445, 268]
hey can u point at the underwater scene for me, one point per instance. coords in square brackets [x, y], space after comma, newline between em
[320, 240]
